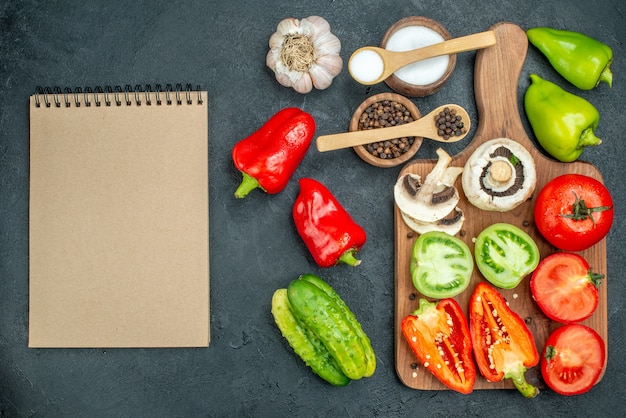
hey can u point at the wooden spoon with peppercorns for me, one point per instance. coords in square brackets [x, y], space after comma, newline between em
[447, 123]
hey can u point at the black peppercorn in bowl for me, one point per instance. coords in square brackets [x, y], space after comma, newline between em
[425, 77]
[380, 111]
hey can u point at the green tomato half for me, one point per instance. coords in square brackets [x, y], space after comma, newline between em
[505, 255]
[441, 265]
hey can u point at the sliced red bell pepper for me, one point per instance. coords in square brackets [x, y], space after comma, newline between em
[269, 157]
[503, 345]
[439, 336]
[327, 229]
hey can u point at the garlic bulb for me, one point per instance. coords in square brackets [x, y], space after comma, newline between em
[304, 54]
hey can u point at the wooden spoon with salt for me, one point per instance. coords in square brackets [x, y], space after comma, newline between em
[394, 60]
[425, 127]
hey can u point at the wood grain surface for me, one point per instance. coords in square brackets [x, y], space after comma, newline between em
[497, 72]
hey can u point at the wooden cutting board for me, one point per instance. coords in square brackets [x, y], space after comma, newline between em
[497, 72]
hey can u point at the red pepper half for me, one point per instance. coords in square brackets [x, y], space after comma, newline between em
[503, 345]
[327, 229]
[269, 157]
[439, 336]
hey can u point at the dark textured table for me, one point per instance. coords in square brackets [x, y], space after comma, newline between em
[248, 369]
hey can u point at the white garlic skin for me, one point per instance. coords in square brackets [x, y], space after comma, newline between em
[326, 61]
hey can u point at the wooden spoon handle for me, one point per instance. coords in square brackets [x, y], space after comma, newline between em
[471, 42]
[352, 139]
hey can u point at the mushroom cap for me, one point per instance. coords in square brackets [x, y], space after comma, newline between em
[435, 198]
[450, 224]
[499, 175]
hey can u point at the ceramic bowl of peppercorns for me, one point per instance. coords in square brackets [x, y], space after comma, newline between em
[381, 111]
[420, 78]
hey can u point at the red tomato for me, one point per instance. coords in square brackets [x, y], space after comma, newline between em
[565, 288]
[573, 359]
[574, 212]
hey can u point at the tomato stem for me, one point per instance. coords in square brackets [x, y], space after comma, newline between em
[595, 278]
[580, 211]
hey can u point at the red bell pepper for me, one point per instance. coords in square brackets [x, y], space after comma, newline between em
[269, 157]
[327, 229]
[438, 334]
[503, 345]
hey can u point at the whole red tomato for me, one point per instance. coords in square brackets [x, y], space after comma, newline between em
[574, 212]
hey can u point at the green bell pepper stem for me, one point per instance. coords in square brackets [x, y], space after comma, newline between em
[588, 138]
[248, 184]
[349, 258]
[606, 76]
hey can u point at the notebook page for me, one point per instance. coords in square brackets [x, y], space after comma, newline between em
[119, 226]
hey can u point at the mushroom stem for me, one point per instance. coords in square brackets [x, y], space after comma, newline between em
[500, 171]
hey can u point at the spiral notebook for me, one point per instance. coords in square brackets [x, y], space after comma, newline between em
[119, 232]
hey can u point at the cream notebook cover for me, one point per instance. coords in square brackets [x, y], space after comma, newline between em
[119, 231]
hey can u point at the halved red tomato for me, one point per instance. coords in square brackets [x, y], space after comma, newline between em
[565, 287]
[574, 212]
[573, 359]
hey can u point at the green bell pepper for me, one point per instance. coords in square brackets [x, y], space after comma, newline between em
[580, 59]
[562, 122]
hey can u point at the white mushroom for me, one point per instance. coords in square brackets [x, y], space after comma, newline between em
[499, 175]
[433, 200]
[450, 224]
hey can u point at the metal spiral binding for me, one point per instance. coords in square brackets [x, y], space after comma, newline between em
[118, 96]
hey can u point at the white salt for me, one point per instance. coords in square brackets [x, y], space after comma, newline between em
[422, 72]
[366, 66]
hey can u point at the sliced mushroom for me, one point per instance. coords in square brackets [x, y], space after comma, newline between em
[450, 224]
[499, 175]
[435, 198]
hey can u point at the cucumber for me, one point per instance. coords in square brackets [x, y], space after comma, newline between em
[318, 312]
[370, 356]
[306, 345]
